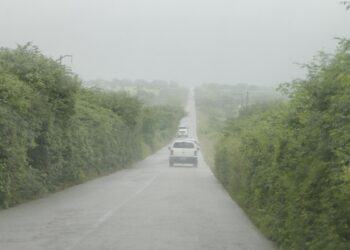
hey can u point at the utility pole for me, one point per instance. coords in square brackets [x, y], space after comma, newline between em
[247, 99]
[240, 97]
[64, 56]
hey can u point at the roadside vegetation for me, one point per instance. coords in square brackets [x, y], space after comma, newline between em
[216, 103]
[55, 133]
[288, 163]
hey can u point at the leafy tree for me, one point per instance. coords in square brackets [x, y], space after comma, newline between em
[346, 3]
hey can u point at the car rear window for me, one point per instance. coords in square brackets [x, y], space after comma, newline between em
[183, 144]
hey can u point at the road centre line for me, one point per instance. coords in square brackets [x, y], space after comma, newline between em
[110, 213]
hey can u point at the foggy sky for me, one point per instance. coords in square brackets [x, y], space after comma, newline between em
[187, 41]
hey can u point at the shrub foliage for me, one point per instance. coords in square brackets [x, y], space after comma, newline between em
[55, 133]
[288, 164]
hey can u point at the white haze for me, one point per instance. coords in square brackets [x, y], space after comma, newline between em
[187, 41]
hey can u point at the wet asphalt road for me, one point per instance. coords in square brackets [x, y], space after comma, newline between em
[149, 206]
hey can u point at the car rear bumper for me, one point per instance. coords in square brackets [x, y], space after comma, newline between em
[183, 159]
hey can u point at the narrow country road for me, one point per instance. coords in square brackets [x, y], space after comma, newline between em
[149, 206]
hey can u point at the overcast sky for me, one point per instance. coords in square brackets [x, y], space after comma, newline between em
[188, 41]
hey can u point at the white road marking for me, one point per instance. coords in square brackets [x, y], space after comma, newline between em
[110, 213]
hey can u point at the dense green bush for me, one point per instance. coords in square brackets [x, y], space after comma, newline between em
[215, 103]
[160, 123]
[288, 164]
[55, 133]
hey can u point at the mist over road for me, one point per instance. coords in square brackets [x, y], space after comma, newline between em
[149, 206]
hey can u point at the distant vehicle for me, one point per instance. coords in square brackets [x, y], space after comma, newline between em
[183, 151]
[182, 131]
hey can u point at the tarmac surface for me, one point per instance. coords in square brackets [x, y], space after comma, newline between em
[149, 206]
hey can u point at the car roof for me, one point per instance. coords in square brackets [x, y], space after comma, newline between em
[184, 140]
